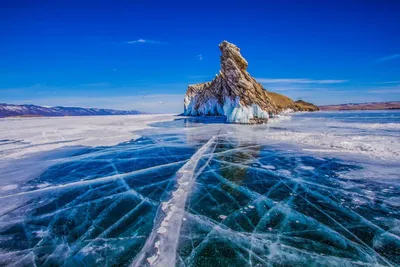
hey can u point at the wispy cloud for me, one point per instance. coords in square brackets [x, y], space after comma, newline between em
[389, 82]
[298, 81]
[387, 58]
[143, 41]
[385, 90]
[199, 57]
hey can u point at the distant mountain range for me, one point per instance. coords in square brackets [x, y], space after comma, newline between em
[363, 106]
[8, 110]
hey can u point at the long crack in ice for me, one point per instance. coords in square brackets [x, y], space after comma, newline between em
[165, 236]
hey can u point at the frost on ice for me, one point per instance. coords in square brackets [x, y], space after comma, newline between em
[199, 194]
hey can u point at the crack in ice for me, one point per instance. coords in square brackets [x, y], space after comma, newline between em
[165, 236]
[95, 181]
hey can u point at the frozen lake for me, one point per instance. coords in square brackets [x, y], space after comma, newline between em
[312, 189]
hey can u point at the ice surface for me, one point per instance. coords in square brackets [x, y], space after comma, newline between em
[21, 136]
[196, 192]
[347, 133]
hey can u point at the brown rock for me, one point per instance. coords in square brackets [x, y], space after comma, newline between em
[233, 92]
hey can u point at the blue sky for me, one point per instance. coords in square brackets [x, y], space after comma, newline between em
[143, 54]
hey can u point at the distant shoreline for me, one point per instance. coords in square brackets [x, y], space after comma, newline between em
[393, 105]
[359, 109]
[74, 116]
[33, 111]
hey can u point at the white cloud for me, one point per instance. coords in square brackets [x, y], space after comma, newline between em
[391, 57]
[298, 81]
[143, 41]
[199, 57]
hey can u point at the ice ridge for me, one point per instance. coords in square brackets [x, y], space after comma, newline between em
[160, 248]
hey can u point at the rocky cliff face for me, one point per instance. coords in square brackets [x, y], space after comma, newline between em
[233, 93]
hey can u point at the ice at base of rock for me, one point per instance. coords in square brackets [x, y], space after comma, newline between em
[232, 109]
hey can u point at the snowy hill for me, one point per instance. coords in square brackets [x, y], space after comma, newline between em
[9, 110]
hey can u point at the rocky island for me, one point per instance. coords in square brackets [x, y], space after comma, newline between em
[234, 93]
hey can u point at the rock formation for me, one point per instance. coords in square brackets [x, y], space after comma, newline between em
[285, 103]
[305, 106]
[233, 93]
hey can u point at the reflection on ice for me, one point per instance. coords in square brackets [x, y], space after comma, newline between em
[194, 193]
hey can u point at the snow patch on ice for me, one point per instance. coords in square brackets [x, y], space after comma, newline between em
[307, 168]
[383, 126]
[270, 167]
[375, 146]
[319, 138]
[45, 134]
[43, 185]
[9, 187]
